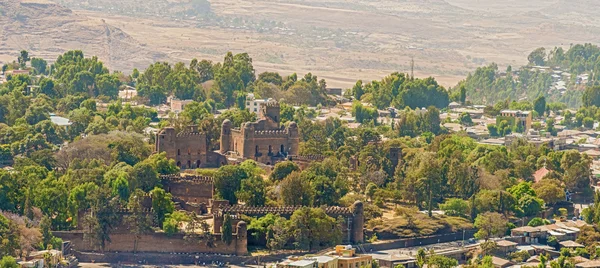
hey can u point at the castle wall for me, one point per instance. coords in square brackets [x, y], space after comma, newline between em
[189, 149]
[352, 226]
[194, 189]
[157, 243]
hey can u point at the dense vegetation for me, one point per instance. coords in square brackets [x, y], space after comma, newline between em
[490, 85]
[103, 162]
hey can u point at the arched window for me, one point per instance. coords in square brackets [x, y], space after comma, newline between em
[270, 149]
[178, 152]
[256, 150]
[282, 149]
[198, 163]
[179, 164]
[189, 164]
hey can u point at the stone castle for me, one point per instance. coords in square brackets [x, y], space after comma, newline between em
[189, 148]
[265, 140]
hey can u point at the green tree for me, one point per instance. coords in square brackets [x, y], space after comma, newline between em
[40, 65]
[536, 222]
[312, 228]
[537, 57]
[23, 58]
[455, 207]
[8, 262]
[139, 222]
[490, 224]
[161, 204]
[588, 122]
[465, 119]
[440, 261]
[463, 94]
[295, 190]
[539, 105]
[10, 237]
[252, 191]
[227, 230]
[144, 176]
[421, 257]
[358, 90]
[228, 180]
[591, 96]
[282, 170]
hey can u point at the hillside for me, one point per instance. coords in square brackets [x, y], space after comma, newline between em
[341, 41]
[47, 30]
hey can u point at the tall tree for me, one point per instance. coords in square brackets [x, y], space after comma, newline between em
[228, 180]
[539, 105]
[490, 224]
[139, 220]
[161, 204]
[227, 230]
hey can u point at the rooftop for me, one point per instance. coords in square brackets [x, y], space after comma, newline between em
[505, 243]
[302, 263]
[571, 244]
[61, 121]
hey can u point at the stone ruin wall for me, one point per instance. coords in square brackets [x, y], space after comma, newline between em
[157, 243]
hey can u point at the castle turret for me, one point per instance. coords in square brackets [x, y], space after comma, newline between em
[249, 149]
[294, 138]
[242, 239]
[165, 141]
[270, 111]
[226, 136]
[358, 222]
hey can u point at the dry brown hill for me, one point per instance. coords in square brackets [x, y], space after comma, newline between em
[46, 30]
[340, 40]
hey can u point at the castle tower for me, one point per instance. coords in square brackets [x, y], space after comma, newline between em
[165, 142]
[241, 246]
[270, 111]
[248, 149]
[226, 136]
[294, 138]
[358, 222]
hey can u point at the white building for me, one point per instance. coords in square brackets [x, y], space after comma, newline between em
[253, 104]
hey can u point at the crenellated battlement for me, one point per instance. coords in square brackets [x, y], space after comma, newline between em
[274, 104]
[193, 179]
[189, 134]
[307, 157]
[271, 133]
[125, 210]
[283, 210]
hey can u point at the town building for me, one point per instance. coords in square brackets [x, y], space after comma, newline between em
[522, 119]
[253, 104]
[349, 259]
[264, 141]
[342, 257]
[178, 105]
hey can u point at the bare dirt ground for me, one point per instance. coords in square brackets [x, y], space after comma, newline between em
[341, 41]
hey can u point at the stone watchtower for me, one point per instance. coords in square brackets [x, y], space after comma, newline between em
[294, 136]
[226, 136]
[241, 245]
[358, 222]
[166, 141]
[269, 111]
